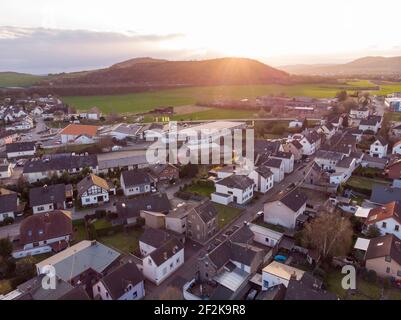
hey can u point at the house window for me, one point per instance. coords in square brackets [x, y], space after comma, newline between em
[206, 275]
[41, 208]
[388, 270]
[384, 225]
[388, 258]
[98, 288]
[397, 228]
[135, 294]
[107, 294]
[178, 260]
[171, 265]
[265, 283]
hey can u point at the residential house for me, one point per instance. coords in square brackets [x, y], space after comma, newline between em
[8, 204]
[327, 160]
[202, 222]
[263, 178]
[164, 172]
[382, 194]
[20, 149]
[395, 131]
[277, 273]
[307, 288]
[328, 130]
[162, 262]
[48, 198]
[372, 123]
[295, 147]
[393, 171]
[93, 113]
[235, 258]
[6, 169]
[287, 210]
[343, 171]
[397, 147]
[44, 232]
[310, 141]
[7, 136]
[38, 169]
[72, 131]
[125, 282]
[360, 112]
[378, 148]
[84, 139]
[176, 219]
[94, 190]
[288, 159]
[128, 210]
[234, 188]
[265, 236]
[81, 264]
[136, 182]
[276, 166]
[386, 218]
[383, 256]
[373, 162]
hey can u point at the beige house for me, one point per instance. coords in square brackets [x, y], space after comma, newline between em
[383, 255]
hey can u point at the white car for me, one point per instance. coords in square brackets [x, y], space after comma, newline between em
[259, 213]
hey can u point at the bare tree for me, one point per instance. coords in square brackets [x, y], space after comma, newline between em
[330, 234]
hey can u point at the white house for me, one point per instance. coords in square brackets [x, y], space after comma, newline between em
[277, 167]
[20, 149]
[295, 124]
[278, 273]
[310, 142]
[92, 114]
[160, 263]
[379, 148]
[327, 160]
[44, 232]
[359, 113]
[235, 188]
[84, 139]
[6, 170]
[397, 148]
[287, 158]
[93, 190]
[135, 182]
[48, 198]
[125, 282]
[73, 131]
[343, 170]
[265, 236]
[373, 124]
[285, 211]
[387, 218]
[263, 178]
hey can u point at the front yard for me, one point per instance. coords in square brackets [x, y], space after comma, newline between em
[202, 190]
[226, 214]
[364, 183]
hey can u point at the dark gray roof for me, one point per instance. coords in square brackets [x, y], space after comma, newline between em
[388, 245]
[245, 253]
[381, 140]
[307, 288]
[236, 181]
[60, 162]
[153, 202]
[166, 251]
[297, 144]
[206, 211]
[294, 200]
[264, 146]
[221, 293]
[33, 290]
[47, 194]
[345, 162]
[20, 147]
[312, 136]
[327, 154]
[136, 177]
[369, 122]
[8, 201]
[384, 194]
[273, 163]
[117, 280]
[282, 155]
[264, 171]
[220, 255]
[77, 293]
[154, 237]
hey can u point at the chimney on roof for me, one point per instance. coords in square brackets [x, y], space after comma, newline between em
[165, 255]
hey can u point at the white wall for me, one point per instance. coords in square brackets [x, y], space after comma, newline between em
[221, 199]
[277, 213]
[134, 190]
[87, 199]
[49, 241]
[178, 225]
[20, 154]
[136, 292]
[272, 280]
[242, 196]
[390, 227]
[6, 214]
[145, 248]
[43, 208]
[158, 274]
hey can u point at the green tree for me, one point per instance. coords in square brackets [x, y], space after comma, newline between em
[373, 231]
[6, 247]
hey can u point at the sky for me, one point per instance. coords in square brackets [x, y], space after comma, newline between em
[45, 36]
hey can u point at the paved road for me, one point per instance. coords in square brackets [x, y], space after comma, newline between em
[188, 270]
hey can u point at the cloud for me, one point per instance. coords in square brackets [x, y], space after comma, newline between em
[40, 50]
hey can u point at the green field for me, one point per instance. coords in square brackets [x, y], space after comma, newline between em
[13, 79]
[125, 242]
[216, 114]
[145, 101]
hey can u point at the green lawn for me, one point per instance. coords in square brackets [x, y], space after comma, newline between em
[392, 116]
[364, 183]
[365, 290]
[226, 214]
[79, 230]
[125, 242]
[199, 189]
[101, 224]
[216, 114]
[13, 79]
[392, 294]
[145, 101]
